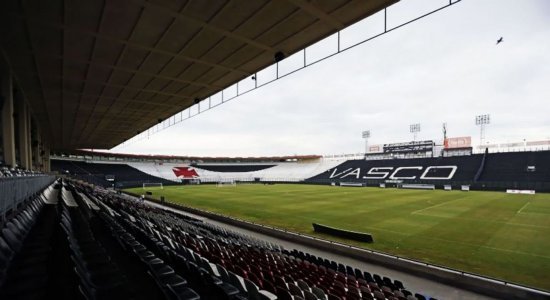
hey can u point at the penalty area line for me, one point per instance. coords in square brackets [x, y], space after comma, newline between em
[433, 206]
[523, 207]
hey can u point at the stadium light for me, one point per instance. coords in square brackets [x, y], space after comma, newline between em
[414, 129]
[482, 121]
[366, 136]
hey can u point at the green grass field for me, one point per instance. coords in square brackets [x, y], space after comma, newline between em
[491, 233]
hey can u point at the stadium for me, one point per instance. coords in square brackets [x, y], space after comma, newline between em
[87, 214]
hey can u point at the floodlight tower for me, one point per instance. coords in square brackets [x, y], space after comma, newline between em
[482, 121]
[415, 129]
[366, 136]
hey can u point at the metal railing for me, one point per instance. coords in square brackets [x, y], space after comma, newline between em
[15, 190]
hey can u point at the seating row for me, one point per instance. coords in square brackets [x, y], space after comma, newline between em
[258, 270]
[25, 248]
[96, 244]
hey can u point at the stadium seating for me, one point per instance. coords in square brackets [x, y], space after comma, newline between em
[124, 175]
[96, 244]
[6, 171]
[28, 248]
[218, 264]
[493, 171]
[225, 168]
[498, 171]
[278, 172]
[512, 167]
[466, 169]
[131, 173]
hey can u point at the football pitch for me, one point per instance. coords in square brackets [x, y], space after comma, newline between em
[490, 233]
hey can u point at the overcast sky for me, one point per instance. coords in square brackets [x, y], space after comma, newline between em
[443, 68]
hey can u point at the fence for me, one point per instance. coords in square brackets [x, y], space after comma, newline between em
[15, 190]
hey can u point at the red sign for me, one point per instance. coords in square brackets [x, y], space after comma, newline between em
[185, 172]
[375, 149]
[458, 142]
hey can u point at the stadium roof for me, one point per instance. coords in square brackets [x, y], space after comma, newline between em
[95, 73]
[190, 158]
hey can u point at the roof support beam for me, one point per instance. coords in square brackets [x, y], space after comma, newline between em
[107, 84]
[131, 100]
[130, 44]
[318, 13]
[223, 32]
[123, 69]
[143, 61]
[31, 41]
[88, 67]
[97, 126]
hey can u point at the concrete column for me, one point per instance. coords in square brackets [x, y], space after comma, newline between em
[46, 158]
[36, 150]
[22, 117]
[29, 141]
[8, 126]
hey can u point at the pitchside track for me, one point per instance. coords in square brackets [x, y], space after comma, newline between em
[491, 233]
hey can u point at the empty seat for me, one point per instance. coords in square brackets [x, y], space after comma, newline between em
[283, 294]
[295, 290]
[318, 292]
[182, 293]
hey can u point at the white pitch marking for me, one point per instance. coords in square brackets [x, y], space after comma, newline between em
[523, 207]
[487, 247]
[433, 206]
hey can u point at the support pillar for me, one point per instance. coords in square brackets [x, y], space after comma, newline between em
[46, 158]
[22, 117]
[36, 148]
[29, 137]
[8, 126]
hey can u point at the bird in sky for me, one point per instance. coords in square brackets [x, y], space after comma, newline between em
[500, 40]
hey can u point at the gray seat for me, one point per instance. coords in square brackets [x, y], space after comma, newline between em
[252, 289]
[265, 295]
[206, 265]
[319, 293]
[295, 290]
[379, 295]
[12, 239]
[236, 282]
[310, 296]
[223, 273]
[303, 285]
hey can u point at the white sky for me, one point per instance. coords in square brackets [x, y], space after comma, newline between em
[443, 68]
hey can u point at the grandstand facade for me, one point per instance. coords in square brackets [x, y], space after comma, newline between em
[528, 170]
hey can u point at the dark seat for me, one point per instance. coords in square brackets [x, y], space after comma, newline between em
[419, 297]
[225, 291]
[283, 294]
[159, 270]
[178, 292]
[379, 295]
